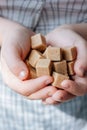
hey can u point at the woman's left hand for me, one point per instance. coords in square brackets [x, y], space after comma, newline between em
[63, 37]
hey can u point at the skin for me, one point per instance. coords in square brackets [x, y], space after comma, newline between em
[68, 36]
[62, 37]
[15, 46]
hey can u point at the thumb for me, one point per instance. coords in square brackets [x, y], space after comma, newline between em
[80, 67]
[19, 68]
[15, 62]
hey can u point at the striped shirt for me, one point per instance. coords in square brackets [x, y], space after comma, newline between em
[18, 113]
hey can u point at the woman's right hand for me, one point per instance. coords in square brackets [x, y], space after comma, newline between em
[15, 47]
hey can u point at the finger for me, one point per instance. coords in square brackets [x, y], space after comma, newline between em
[31, 86]
[62, 96]
[26, 87]
[74, 88]
[80, 67]
[43, 93]
[13, 56]
[81, 63]
[50, 101]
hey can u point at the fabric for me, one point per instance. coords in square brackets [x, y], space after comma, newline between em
[18, 113]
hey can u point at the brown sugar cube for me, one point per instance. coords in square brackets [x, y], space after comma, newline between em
[32, 71]
[69, 53]
[38, 42]
[44, 54]
[43, 67]
[71, 68]
[60, 67]
[58, 78]
[53, 53]
[34, 57]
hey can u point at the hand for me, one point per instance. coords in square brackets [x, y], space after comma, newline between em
[15, 47]
[63, 37]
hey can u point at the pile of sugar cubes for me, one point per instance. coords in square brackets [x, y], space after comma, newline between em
[49, 60]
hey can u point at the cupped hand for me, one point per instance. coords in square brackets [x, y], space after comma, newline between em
[15, 47]
[63, 37]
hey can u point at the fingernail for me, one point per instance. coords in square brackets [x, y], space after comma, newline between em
[64, 85]
[22, 74]
[48, 81]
